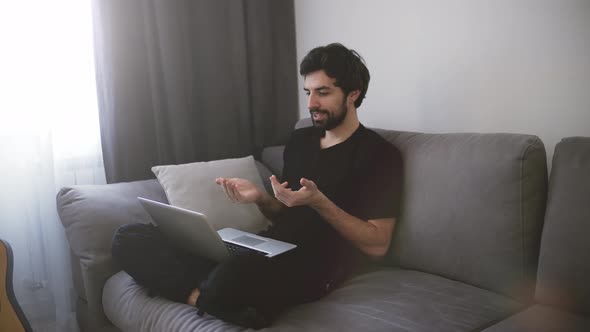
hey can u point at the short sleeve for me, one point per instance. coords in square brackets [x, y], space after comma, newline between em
[381, 186]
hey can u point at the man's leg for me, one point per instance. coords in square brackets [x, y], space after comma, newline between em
[154, 263]
[251, 290]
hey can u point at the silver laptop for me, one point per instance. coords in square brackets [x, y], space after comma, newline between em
[191, 231]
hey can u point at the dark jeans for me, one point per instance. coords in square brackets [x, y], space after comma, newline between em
[268, 285]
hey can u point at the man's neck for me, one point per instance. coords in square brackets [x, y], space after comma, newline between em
[342, 132]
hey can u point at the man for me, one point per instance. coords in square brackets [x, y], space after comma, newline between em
[337, 201]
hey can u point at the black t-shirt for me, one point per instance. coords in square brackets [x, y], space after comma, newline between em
[361, 175]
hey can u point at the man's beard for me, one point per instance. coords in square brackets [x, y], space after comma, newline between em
[332, 120]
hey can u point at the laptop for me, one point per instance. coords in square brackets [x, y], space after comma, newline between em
[191, 231]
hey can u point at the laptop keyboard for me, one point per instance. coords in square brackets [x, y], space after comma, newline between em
[235, 249]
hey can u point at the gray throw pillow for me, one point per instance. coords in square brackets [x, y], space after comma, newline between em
[192, 186]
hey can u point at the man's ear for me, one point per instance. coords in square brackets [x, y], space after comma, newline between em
[353, 95]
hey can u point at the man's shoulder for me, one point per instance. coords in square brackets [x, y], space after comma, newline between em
[378, 143]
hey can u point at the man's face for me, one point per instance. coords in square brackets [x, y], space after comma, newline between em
[325, 101]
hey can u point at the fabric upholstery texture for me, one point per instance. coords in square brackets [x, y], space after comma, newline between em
[473, 208]
[384, 300]
[90, 215]
[539, 318]
[192, 186]
[564, 269]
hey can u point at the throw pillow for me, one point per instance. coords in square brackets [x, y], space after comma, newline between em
[192, 186]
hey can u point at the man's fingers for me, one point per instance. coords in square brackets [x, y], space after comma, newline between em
[224, 187]
[227, 190]
[286, 196]
[235, 192]
[276, 186]
[307, 183]
[283, 199]
[275, 182]
[281, 193]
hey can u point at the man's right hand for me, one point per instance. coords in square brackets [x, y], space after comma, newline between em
[240, 190]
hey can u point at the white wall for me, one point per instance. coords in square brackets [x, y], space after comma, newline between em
[518, 66]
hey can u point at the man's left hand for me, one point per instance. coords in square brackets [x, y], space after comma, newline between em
[309, 194]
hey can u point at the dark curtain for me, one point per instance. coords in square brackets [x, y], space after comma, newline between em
[184, 81]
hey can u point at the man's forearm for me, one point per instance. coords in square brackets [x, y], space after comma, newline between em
[371, 236]
[269, 206]
[364, 234]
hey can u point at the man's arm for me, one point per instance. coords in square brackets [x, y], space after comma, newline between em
[372, 237]
[269, 206]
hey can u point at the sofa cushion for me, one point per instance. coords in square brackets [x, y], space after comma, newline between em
[539, 318]
[564, 269]
[192, 186]
[384, 300]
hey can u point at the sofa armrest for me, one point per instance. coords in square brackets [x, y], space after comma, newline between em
[90, 215]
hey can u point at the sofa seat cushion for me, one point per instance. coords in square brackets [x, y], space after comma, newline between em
[540, 318]
[384, 300]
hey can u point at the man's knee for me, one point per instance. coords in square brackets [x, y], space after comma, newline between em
[237, 280]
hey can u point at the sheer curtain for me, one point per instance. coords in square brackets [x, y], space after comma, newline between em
[49, 137]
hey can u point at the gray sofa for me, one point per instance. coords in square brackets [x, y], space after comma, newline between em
[470, 251]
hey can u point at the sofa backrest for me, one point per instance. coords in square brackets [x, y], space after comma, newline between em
[472, 209]
[564, 263]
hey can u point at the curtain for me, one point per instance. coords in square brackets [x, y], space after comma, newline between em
[182, 81]
[49, 138]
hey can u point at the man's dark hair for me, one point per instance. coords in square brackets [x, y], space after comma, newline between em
[342, 64]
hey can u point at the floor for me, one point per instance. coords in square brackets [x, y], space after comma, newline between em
[52, 326]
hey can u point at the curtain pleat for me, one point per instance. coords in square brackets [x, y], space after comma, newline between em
[184, 81]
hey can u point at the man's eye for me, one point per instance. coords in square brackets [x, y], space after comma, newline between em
[307, 93]
[323, 93]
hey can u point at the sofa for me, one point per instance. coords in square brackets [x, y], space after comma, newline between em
[474, 249]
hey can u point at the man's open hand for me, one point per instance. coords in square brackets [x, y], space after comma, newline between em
[240, 190]
[309, 193]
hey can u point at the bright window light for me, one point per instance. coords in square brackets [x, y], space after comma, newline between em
[47, 82]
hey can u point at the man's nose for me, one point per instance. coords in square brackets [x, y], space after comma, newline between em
[312, 102]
